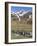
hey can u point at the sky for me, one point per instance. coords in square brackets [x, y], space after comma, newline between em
[16, 9]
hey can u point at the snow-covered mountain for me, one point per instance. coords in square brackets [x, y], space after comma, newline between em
[22, 13]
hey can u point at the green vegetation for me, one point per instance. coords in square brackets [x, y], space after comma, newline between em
[14, 36]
